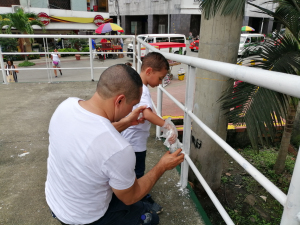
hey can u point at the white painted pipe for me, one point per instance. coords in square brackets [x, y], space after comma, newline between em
[210, 193]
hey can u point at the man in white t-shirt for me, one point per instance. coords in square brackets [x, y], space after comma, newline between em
[56, 61]
[91, 176]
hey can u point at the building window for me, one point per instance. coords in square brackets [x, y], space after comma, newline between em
[133, 26]
[9, 3]
[59, 4]
[161, 29]
[102, 6]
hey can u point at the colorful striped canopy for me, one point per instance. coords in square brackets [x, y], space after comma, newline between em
[108, 27]
[247, 28]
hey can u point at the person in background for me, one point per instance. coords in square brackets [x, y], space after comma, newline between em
[197, 37]
[191, 38]
[11, 75]
[56, 61]
[94, 48]
[120, 42]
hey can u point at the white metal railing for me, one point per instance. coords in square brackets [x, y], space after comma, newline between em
[47, 53]
[280, 82]
[284, 83]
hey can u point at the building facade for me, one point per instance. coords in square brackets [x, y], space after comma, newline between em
[63, 16]
[177, 16]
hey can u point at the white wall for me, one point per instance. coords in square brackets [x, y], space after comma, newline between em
[252, 11]
[144, 7]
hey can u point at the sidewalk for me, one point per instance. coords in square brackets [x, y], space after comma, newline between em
[26, 111]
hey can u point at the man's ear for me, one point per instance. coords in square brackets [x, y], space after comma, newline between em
[120, 99]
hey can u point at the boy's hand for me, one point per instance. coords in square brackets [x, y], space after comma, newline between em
[134, 117]
[172, 134]
[169, 161]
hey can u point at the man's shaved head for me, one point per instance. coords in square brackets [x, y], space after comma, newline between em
[120, 79]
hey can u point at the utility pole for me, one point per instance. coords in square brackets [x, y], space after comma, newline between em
[168, 16]
[117, 11]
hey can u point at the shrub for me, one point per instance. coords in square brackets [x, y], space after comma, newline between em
[26, 63]
[86, 49]
[67, 50]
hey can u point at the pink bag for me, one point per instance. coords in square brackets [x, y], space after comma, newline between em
[55, 62]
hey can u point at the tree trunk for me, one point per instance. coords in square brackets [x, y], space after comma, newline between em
[285, 140]
[219, 41]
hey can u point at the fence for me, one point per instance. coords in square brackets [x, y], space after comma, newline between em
[284, 83]
[48, 68]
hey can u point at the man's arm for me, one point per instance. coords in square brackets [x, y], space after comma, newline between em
[130, 120]
[142, 186]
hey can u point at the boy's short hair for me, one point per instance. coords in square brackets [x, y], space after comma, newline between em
[156, 61]
[120, 79]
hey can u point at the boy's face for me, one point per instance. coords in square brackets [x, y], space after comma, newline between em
[155, 77]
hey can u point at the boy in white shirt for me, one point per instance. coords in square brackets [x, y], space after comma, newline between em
[154, 68]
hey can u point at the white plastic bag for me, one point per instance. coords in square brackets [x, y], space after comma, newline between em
[171, 134]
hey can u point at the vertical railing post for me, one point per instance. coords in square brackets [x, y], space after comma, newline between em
[139, 58]
[2, 66]
[187, 124]
[291, 211]
[91, 58]
[134, 54]
[159, 109]
[46, 59]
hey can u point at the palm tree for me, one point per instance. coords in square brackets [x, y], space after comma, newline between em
[22, 22]
[262, 110]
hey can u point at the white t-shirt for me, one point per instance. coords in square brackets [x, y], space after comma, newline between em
[137, 135]
[55, 57]
[87, 157]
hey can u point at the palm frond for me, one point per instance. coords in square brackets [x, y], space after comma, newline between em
[287, 12]
[281, 55]
[260, 109]
[226, 7]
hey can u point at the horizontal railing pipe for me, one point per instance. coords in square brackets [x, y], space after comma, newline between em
[268, 185]
[63, 36]
[280, 82]
[210, 193]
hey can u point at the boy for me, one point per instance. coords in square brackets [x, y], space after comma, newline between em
[154, 69]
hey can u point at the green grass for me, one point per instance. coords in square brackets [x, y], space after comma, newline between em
[26, 63]
[241, 212]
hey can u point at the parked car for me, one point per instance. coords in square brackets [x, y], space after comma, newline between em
[194, 46]
[156, 38]
[250, 44]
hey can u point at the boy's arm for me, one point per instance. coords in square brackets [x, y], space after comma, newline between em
[153, 118]
[156, 120]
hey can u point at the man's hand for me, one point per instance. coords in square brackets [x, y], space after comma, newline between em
[169, 161]
[134, 117]
[130, 120]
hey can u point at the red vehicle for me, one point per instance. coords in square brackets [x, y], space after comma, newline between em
[194, 46]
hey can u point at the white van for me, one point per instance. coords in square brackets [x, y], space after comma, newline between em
[155, 38]
[251, 44]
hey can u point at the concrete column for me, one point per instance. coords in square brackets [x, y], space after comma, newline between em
[150, 24]
[245, 20]
[269, 26]
[219, 40]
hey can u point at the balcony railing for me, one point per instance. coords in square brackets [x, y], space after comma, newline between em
[280, 82]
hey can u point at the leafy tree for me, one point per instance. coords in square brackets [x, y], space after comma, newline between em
[23, 23]
[9, 44]
[259, 108]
